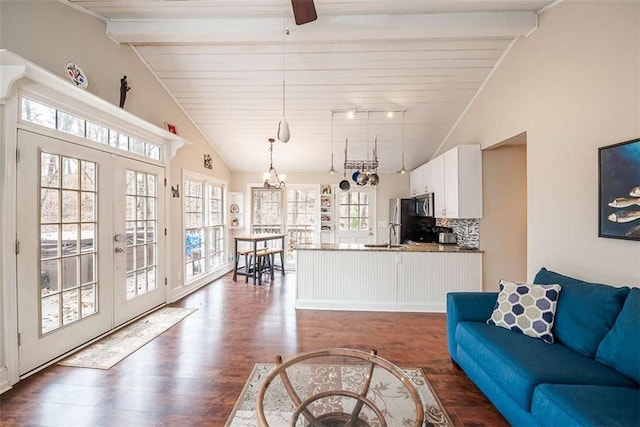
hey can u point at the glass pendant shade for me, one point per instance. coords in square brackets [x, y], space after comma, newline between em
[283, 130]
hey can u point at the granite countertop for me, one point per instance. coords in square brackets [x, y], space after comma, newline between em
[420, 247]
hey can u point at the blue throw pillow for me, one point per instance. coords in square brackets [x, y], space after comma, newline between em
[527, 309]
[620, 349]
[586, 311]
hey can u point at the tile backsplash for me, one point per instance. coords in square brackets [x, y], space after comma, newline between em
[467, 230]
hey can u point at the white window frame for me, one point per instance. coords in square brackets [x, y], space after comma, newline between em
[207, 272]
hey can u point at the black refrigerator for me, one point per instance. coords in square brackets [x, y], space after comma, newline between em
[405, 226]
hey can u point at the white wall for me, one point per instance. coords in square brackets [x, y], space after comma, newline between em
[572, 86]
[50, 33]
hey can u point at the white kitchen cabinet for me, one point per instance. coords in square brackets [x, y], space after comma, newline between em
[436, 184]
[455, 179]
[418, 180]
[462, 183]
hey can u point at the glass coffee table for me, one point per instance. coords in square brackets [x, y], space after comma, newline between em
[338, 387]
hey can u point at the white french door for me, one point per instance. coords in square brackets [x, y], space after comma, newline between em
[90, 255]
[138, 224]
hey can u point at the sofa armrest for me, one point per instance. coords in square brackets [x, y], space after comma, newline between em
[467, 306]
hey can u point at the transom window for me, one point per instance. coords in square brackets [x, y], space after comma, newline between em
[53, 118]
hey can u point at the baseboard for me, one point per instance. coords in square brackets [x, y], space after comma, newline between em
[4, 380]
[369, 306]
[183, 291]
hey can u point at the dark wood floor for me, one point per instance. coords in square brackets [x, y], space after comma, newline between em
[193, 373]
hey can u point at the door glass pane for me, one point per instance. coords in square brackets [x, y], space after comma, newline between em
[87, 176]
[88, 300]
[69, 173]
[141, 245]
[49, 170]
[69, 206]
[68, 251]
[70, 306]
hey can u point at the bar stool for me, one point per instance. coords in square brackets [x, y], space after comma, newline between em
[246, 253]
[272, 253]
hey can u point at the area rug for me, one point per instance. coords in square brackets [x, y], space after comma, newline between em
[113, 348]
[395, 403]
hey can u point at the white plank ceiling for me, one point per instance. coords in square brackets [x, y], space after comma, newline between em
[224, 62]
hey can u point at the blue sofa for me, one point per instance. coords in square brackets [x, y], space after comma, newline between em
[589, 376]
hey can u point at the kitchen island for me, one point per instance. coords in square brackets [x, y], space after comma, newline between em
[412, 278]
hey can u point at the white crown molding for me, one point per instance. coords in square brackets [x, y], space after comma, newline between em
[13, 68]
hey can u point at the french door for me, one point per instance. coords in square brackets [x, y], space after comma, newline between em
[90, 256]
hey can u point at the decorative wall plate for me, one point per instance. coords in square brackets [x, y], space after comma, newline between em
[234, 208]
[77, 76]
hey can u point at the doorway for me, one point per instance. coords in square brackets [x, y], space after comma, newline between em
[90, 257]
[503, 228]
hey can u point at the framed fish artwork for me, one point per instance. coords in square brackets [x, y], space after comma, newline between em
[619, 196]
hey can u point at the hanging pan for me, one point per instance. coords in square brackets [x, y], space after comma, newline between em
[344, 184]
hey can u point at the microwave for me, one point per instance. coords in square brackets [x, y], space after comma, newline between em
[424, 205]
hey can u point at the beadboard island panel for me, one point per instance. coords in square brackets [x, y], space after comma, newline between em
[374, 280]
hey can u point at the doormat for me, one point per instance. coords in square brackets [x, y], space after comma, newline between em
[396, 405]
[113, 348]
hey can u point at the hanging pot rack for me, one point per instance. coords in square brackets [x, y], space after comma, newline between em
[363, 165]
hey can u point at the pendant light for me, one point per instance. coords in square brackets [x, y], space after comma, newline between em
[402, 169]
[283, 127]
[332, 170]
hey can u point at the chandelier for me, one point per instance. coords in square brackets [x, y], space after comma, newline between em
[272, 179]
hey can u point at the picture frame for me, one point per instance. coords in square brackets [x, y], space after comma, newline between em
[619, 190]
[171, 128]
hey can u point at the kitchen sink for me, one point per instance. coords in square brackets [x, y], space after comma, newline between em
[381, 245]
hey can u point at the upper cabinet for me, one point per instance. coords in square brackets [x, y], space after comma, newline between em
[418, 181]
[463, 182]
[455, 179]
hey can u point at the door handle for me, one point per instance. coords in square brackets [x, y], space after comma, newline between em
[118, 250]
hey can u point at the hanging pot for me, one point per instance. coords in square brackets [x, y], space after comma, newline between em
[355, 176]
[374, 179]
[344, 184]
[363, 178]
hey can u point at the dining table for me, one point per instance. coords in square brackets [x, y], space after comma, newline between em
[254, 240]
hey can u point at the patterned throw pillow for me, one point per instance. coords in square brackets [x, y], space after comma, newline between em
[528, 309]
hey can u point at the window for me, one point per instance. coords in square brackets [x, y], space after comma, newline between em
[299, 206]
[142, 230]
[205, 241]
[301, 218]
[52, 118]
[215, 228]
[68, 251]
[267, 210]
[353, 211]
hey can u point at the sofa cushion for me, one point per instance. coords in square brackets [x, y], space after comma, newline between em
[519, 362]
[586, 405]
[526, 309]
[620, 349]
[586, 311]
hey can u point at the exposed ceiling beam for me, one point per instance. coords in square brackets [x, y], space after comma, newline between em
[335, 28]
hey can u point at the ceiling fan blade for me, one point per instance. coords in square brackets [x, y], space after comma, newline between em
[304, 11]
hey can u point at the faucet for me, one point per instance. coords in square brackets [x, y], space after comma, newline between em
[392, 230]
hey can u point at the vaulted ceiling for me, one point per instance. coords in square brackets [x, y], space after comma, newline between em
[224, 62]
